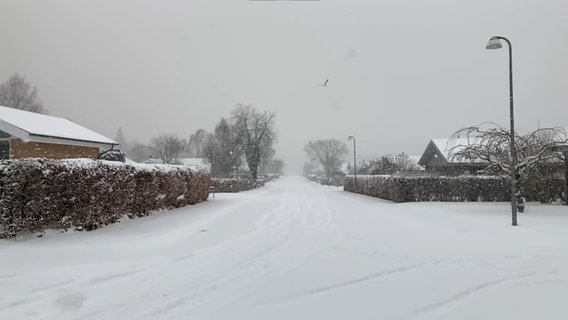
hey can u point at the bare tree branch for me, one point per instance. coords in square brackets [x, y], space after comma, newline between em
[167, 147]
[17, 93]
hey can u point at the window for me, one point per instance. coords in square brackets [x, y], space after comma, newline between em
[4, 149]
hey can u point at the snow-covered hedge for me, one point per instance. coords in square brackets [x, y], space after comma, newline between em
[544, 189]
[337, 180]
[431, 188]
[39, 194]
[234, 184]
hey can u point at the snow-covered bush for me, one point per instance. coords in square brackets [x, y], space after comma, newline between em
[431, 188]
[234, 184]
[39, 194]
[113, 155]
[544, 189]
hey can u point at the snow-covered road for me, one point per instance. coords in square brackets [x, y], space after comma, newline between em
[297, 250]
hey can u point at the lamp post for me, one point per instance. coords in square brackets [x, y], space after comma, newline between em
[494, 43]
[354, 159]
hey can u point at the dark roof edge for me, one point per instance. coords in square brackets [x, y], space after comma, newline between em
[71, 139]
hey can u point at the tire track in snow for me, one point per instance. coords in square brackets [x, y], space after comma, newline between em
[460, 296]
[299, 222]
[111, 277]
[51, 286]
[34, 294]
[239, 275]
[355, 281]
[342, 285]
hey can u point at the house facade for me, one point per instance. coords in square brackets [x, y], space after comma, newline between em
[439, 158]
[31, 135]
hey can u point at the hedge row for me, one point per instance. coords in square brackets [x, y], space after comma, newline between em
[337, 180]
[426, 188]
[39, 194]
[234, 184]
[545, 189]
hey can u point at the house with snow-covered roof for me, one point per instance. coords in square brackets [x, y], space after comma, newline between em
[439, 158]
[26, 134]
[561, 140]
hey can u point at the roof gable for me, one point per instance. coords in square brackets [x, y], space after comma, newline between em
[30, 126]
[442, 151]
[432, 156]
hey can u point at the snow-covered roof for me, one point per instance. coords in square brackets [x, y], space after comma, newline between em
[35, 127]
[448, 147]
[561, 136]
[195, 163]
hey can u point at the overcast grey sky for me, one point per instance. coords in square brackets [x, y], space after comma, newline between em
[400, 72]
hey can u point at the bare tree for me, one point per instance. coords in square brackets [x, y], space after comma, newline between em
[490, 143]
[255, 131]
[19, 94]
[197, 143]
[561, 151]
[167, 147]
[266, 156]
[329, 153]
[119, 137]
[223, 150]
[138, 152]
[275, 166]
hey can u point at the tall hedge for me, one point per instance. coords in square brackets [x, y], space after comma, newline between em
[39, 194]
[431, 188]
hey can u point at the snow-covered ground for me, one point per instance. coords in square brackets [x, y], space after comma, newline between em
[297, 250]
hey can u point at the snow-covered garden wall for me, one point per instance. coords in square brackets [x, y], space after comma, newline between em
[431, 188]
[39, 194]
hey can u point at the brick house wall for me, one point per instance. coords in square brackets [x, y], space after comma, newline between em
[20, 149]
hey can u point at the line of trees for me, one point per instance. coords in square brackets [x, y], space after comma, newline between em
[389, 164]
[246, 138]
[328, 156]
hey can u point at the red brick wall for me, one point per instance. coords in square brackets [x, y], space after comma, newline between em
[20, 149]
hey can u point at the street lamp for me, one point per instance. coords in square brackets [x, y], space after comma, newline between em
[494, 43]
[354, 159]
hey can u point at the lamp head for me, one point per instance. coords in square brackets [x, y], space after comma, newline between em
[494, 43]
[350, 138]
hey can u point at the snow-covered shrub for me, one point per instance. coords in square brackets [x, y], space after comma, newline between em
[234, 184]
[39, 194]
[113, 155]
[431, 188]
[545, 189]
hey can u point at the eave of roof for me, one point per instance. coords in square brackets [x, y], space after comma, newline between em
[29, 126]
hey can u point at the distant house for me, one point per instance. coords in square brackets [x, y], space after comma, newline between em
[31, 135]
[561, 141]
[196, 163]
[438, 158]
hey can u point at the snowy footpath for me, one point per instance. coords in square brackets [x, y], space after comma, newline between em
[297, 250]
